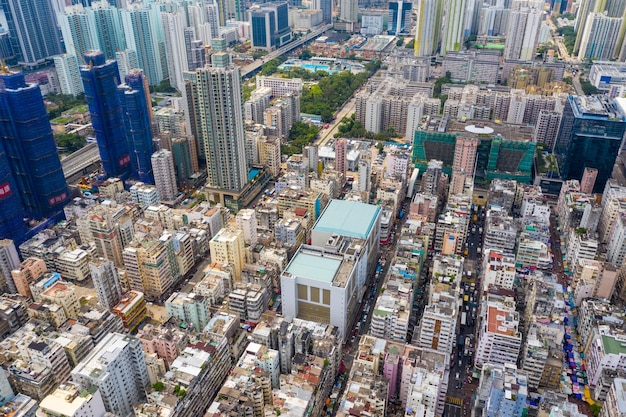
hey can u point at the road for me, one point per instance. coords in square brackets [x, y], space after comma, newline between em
[460, 390]
[81, 159]
[250, 69]
[333, 127]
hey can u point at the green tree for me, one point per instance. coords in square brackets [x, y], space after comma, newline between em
[305, 54]
[158, 386]
[568, 80]
[163, 87]
[588, 88]
[595, 409]
[400, 42]
[69, 142]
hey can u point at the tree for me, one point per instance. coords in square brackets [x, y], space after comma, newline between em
[568, 80]
[70, 142]
[588, 88]
[400, 42]
[305, 54]
[158, 386]
[164, 87]
[595, 409]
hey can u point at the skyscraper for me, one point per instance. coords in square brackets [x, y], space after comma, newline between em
[523, 30]
[464, 162]
[29, 144]
[270, 25]
[12, 224]
[106, 282]
[428, 17]
[100, 81]
[108, 25]
[79, 31]
[174, 25]
[349, 11]
[218, 111]
[164, 177]
[182, 159]
[452, 26]
[136, 114]
[326, 6]
[142, 35]
[600, 37]
[32, 25]
[591, 133]
[399, 17]
[68, 74]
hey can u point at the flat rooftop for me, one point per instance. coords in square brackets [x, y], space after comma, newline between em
[613, 344]
[347, 218]
[318, 268]
[507, 131]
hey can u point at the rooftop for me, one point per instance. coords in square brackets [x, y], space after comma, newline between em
[613, 344]
[314, 267]
[348, 218]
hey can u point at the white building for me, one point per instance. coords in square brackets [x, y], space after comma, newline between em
[246, 222]
[615, 404]
[280, 86]
[581, 245]
[70, 401]
[499, 270]
[499, 338]
[118, 368]
[322, 287]
[616, 246]
[164, 174]
[68, 74]
[145, 195]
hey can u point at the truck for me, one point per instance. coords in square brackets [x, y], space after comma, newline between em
[463, 318]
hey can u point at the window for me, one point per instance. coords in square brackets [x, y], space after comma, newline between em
[303, 292]
[326, 297]
[315, 295]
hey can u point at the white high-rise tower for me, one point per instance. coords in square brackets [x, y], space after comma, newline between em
[164, 175]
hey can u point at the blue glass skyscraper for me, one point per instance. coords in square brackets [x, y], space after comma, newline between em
[135, 111]
[590, 136]
[12, 224]
[27, 139]
[100, 81]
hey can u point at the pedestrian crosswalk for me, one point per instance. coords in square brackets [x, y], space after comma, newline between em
[454, 400]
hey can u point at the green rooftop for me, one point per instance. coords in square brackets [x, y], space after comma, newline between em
[612, 345]
[313, 267]
[348, 218]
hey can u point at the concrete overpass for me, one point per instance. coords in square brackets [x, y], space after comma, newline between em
[250, 69]
[81, 159]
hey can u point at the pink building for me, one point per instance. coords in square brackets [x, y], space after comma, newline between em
[391, 367]
[165, 342]
[28, 272]
[425, 206]
[341, 157]
[463, 163]
[588, 180]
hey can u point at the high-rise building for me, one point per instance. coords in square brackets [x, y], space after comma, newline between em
[164, 175]
[78, 30]
[523, 30]
[135, 104]
[326, 6]
[68, 74]
[118, 368]
[349, 11]
[600, 37]
[142, 36]
[106, 19]
[607, 8]
[399, 17]
[100, 81]
[464, 163]
[547, 127]
[270, 25]
[12, 224]
[29, 144]
[591, 133]
[68, 400]
[218, 111]
[174, 25]
[32, 26]
[341, 157]
[428, 18]
[181, 153]
[452, 26]
[106, 282]
[588, 180]
[9, 260]
[227, 248]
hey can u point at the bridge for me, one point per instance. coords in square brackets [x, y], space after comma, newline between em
[79, 160]
[250, 69]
